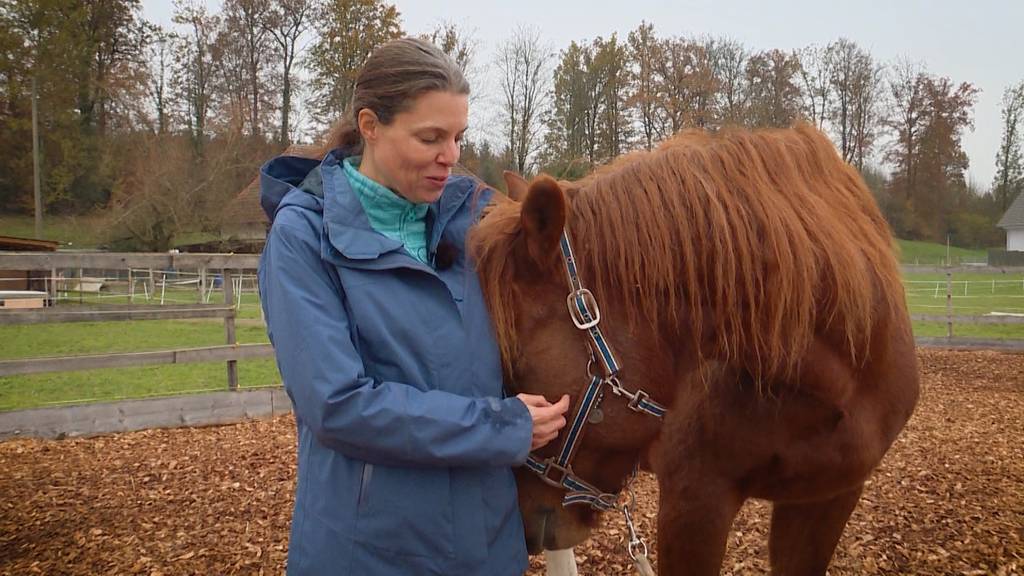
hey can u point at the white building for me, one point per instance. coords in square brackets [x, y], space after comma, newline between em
[1013, 223]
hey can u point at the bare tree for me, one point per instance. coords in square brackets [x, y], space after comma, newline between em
[867, 117]
[846, 63]
[524, 65]
[194, 73]
[461, 46]
[457, 43]
[731, 59]
[159, 53]
[815, 80]
[287, 21]
[246, 34]
[906, 119]
[1009, 178]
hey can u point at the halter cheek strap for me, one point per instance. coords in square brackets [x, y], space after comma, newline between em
[557, 471]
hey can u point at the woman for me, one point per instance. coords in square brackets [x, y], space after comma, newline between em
[406, 442]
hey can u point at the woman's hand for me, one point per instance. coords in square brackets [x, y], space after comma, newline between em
[548, 418]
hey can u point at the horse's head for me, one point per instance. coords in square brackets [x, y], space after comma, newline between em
[517, 246]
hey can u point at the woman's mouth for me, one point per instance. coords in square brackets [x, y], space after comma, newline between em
[437, 181]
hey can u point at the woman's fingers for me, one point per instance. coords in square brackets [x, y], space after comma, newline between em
[548, 418]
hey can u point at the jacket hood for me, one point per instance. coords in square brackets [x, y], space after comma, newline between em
[280, 176]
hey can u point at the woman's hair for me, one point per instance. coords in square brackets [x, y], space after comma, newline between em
[394, 75]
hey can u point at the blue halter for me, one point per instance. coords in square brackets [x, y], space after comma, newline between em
[557, 471]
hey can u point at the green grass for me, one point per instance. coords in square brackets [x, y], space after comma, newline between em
[972, 294]
[980, 331]
[1005, 295]
[43, 340]
[35, 390]
[932, 254]
[86, 231]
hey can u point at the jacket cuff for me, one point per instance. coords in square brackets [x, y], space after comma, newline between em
[514, 418]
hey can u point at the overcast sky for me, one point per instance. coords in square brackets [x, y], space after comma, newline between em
[977, 41]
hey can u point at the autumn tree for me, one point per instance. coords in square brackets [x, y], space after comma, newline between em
[774, 96]
[347, 32]
[928, 117]
[642, 54]
[569, 130]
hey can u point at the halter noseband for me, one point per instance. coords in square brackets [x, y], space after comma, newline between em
[557, 471]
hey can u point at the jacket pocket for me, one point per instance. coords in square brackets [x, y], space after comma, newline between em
[406, 511]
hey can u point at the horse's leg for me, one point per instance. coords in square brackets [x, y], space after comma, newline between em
[804, 535]
[693, 527]
[561, 562]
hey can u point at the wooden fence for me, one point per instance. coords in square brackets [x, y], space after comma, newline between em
[951, 319]
[227, 264]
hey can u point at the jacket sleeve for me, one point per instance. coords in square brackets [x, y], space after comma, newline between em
[387, 423]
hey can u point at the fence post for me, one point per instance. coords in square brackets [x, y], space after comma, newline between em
[949, 303]
[202, 284]
[229, 327]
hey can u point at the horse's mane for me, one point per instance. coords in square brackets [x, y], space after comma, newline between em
[758, 239]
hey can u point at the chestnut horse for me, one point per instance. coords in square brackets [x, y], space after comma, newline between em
[747, 282]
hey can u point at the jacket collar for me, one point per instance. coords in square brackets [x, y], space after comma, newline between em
[345, 222]
[349, 228]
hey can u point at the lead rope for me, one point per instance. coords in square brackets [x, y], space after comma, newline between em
[637, 547]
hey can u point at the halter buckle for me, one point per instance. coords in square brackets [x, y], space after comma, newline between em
[550, 479]
[638, 397]
[589, 304]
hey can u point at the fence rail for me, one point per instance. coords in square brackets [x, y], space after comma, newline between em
[967, 319]
[125, 260]
[113, 312]
[231, 353]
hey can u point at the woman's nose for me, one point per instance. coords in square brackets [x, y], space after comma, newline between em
[449, 156]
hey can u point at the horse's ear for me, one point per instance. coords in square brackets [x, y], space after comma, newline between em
[517, 185]
[543, 218]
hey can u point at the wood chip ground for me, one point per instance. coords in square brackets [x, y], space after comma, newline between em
[947, 499]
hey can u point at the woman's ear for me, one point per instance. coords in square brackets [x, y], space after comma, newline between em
[368, 123]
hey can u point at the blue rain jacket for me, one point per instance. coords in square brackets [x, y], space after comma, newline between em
[405, 439]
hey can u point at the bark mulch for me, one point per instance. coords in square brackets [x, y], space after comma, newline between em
[947, 499]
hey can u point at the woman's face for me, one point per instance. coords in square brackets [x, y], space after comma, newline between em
[415, 153]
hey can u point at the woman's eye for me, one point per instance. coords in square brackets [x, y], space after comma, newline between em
[428, 139]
